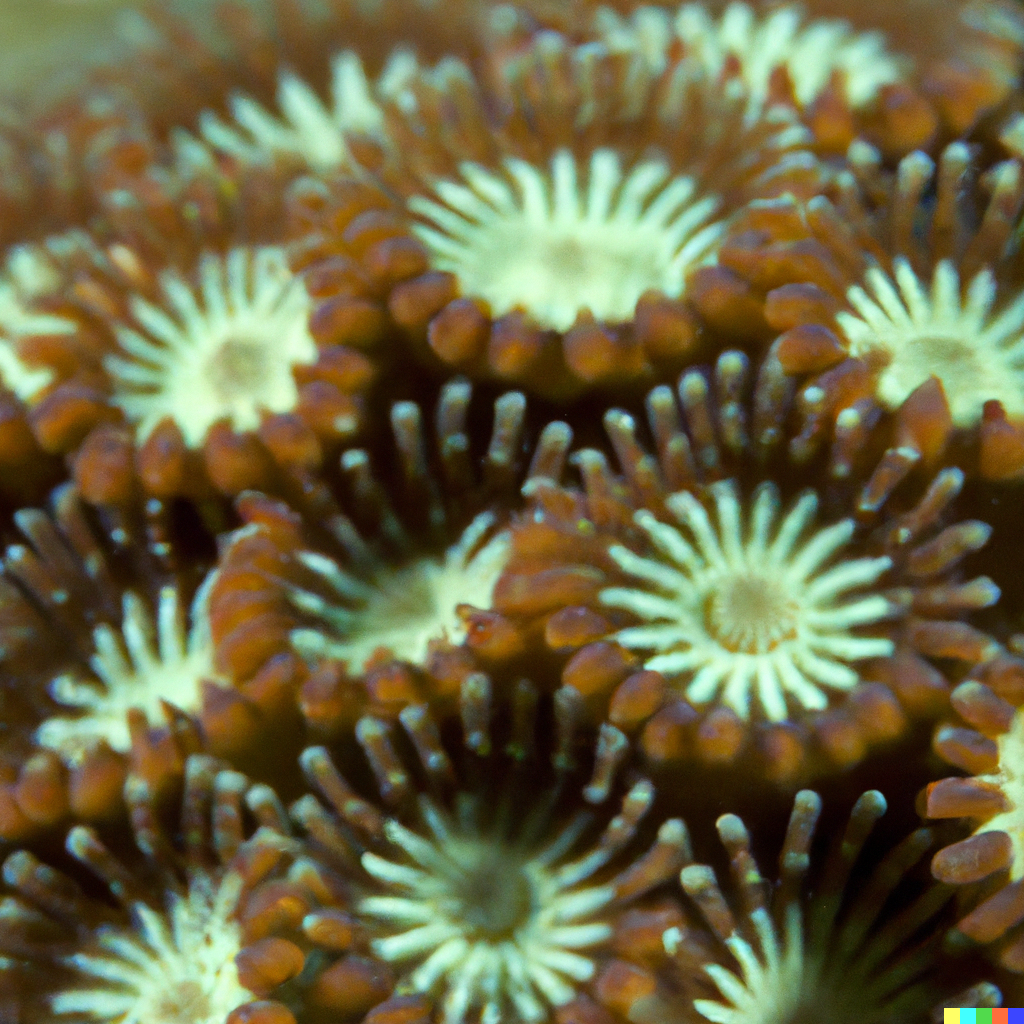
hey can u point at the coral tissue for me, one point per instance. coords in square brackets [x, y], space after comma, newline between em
[511, 514]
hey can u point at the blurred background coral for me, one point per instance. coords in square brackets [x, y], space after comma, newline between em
[46, 44]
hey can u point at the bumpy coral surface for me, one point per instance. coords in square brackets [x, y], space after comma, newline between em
[109, 676]
[901, 292]
[900, 74]
[463, 465]
[531, 244]
[172, 948]
[492, 901]
[985, 742]
[186, 352]
[419, 579]
[753, 620]
[790, 953]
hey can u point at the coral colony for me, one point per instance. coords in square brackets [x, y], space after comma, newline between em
[513, 515]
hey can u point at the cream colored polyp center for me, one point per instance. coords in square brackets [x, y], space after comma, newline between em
[176, 967]
[237, 368]
[765, 608]
[907, 335]
[406, 611]
[953, 360]
[399, 609]
[495, 896]
[556, 274]
[493, 934]
[187, 1004]
[751, 614]
[222, 350]
[1010, 779]
[151, 661]
[526, 239]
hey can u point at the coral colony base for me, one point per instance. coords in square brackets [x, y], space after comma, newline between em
[481, 481]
